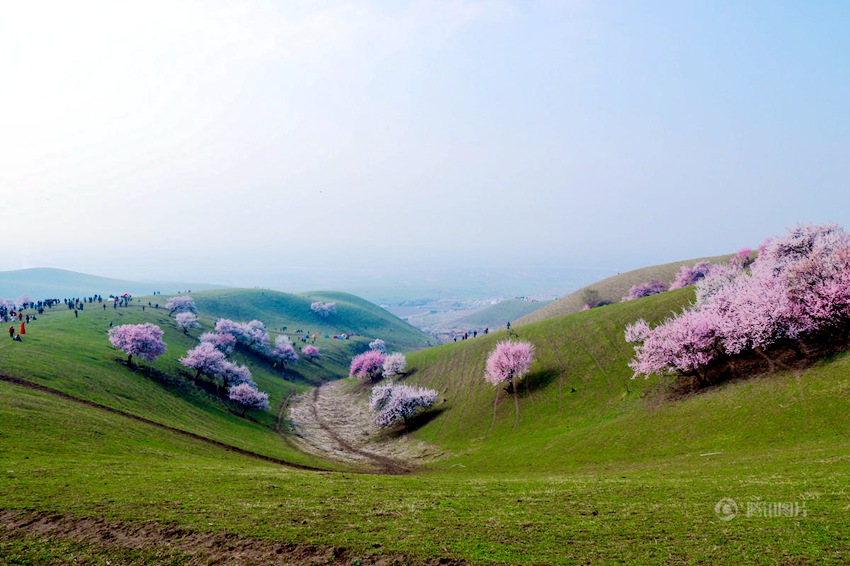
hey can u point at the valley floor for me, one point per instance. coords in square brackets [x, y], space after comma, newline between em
[332, 422]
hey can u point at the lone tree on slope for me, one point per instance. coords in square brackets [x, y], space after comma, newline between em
[142, 340]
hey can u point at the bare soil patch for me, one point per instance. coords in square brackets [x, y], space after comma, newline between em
[334, 422]
[188, 547]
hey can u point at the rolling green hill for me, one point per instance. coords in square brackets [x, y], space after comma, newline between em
[582, 465]
[498, 314]
[292, 311]
[612, 289]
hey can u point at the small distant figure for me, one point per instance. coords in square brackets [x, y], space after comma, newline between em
[11, 332]
[509, 325]
[110, 324]
[474, 333]
[17, 338]
[23, 328]
[487, 330]
[76, 313]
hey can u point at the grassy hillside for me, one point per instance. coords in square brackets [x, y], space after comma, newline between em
[73, 355]
[583, 465]
[292, 312]
[579, 406]
[47, 283]
[612, 289]
[498, 314]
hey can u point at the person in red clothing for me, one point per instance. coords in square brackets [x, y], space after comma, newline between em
[11, 332]
[23, 328]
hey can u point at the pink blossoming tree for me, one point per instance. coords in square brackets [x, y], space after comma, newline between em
[311, 352]
[368, 364]
[688, 276]
[225, 343]
[645, 290]
[509, 362]
[205, 359]
[247, 396]
[181, 303]
[187, 320]
[141, 340]
[283, 351]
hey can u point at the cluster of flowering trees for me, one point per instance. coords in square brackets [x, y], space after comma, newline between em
[509, 362]
[394, 402]
[252, 334]
[322, 309]
[799, 285]
[209, 358]
[375, 363]
[645, 290]
[141, 340]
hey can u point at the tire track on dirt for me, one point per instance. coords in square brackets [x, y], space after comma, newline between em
[183, 433]
[192, 548]
[387, 465]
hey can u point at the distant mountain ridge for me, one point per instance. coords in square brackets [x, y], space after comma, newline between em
[46, 282]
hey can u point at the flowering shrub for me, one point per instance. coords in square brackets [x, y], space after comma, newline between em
[393, 402]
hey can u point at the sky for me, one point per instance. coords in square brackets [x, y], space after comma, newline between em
[289, 143]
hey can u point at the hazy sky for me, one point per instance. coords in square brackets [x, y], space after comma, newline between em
[234, 141]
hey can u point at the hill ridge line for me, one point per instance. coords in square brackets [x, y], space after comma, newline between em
[230, 448]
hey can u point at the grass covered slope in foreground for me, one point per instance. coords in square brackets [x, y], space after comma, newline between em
[79, 465]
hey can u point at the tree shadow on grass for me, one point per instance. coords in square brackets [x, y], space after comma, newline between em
[787, 355]
[537, 380]
[414, 423]
[403, 376]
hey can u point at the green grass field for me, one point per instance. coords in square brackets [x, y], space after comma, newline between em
[583, 465]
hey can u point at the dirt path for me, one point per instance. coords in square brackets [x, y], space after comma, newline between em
[333, 422]
[191, 548]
